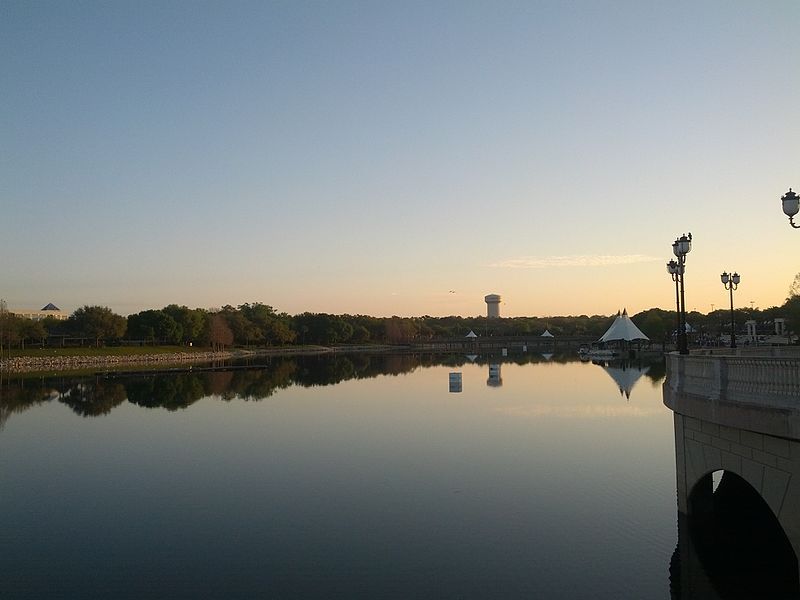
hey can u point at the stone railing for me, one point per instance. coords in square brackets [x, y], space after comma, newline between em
[754, 379]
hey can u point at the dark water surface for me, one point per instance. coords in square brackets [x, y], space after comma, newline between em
[339, 477]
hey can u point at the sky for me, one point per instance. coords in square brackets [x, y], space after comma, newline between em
[396, 158]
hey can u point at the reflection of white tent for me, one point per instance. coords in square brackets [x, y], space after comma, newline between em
[547, 355]
[471, 334]
[547, 334]
[471, 357]
[623, 329]
[626, 377]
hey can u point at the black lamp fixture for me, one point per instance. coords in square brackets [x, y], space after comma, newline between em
[791, 206]
[673, 268]
[680, 248]
[731, 282]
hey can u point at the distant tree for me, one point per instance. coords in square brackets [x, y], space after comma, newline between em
[323, 328]
[244, 330]
[31, 330]
[791, 312]
[280, 331]
[794, 289]
[191, 321]
[10, 329]
[98, 322]
[653, 324]
[154, 325]
[219, 333]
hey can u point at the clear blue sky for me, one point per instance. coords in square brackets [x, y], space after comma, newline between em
[369, 157]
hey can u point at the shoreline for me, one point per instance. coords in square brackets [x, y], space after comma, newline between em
[30, 364]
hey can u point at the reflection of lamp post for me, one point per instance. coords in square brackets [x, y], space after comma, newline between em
[731, 282]
[791, 206]
[673, 268]
[680, 248]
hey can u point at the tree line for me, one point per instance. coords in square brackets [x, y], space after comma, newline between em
[256, 325]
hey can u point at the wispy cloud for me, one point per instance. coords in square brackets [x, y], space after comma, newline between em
[578, 260]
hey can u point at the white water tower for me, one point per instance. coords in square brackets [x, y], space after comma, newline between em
[493, 306]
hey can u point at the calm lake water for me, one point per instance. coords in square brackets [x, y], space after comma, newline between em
[340, 477]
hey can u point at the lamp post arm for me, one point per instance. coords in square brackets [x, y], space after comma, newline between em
[793, 224]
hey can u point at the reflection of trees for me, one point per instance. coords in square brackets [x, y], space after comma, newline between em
[94, 399]
[251, 384]
[166, 391]
[18, 395]
[94, 396]
[657, 371]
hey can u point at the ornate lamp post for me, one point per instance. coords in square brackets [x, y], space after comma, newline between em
[791, 206]
[673, 268]
[731, 282]
[680, 248]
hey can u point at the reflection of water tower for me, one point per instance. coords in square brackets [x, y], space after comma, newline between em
[493, 306]
[495, 379]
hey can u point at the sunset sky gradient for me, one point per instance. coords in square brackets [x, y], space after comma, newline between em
[370, 157]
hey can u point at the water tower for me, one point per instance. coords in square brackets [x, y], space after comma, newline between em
[493, 306]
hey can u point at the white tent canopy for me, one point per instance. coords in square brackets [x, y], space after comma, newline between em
[623, 329]
[547, 334]
[471, 334]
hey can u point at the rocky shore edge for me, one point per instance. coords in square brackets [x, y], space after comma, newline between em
[24, 364]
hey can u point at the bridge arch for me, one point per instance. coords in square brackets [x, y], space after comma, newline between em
[767, 465]
[739, 541]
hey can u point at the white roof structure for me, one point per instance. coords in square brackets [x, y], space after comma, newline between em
[623, 329]
[547, 334]
[471, 334]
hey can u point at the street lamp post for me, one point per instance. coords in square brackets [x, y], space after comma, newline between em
[680, 248]
[673, 268]
[731, 282]
[791, 206]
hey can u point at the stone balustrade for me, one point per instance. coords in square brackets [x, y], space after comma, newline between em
[752, 378]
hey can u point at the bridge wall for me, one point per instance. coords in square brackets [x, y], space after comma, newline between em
[738, 414]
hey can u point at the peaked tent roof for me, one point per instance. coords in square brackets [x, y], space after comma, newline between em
[623, 329]
[471, 334]
[626, 377]
[547, 334]
[51, 306]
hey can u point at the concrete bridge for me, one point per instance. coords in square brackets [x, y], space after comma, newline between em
[737, 427]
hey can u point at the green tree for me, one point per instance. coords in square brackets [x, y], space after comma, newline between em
[191, 321]
[31, 330]
[98, 322]
[154, 325]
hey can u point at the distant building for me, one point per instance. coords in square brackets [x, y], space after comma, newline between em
[493, 306]
[50, 311]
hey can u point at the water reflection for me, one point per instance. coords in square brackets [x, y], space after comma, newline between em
[99, 394]
[495, 378]
[376, 487]
[625, 375]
